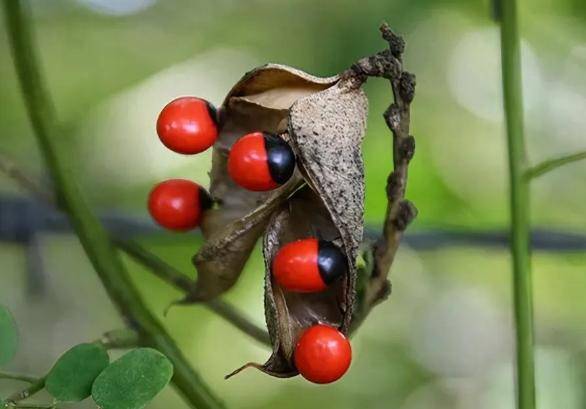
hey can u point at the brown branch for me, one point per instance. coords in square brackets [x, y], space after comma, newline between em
[400, 212]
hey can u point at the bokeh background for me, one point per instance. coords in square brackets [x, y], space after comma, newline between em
[444, 339]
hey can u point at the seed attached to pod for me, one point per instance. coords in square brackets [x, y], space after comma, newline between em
[308, 265]
[323, 354]
[177, 204]
[188, 125]
[260, 161]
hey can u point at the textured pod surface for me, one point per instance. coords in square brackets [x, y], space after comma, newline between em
[326, 131]
[259, 101]
[288, 313]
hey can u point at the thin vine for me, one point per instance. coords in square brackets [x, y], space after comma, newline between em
[519, 204]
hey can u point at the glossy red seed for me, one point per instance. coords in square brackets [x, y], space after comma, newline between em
[187, 125]
[176, 204]
[248, 163]
[295, 267]
[323, 354]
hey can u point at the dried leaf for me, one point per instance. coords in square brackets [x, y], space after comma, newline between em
[222, 258]
[259, 101]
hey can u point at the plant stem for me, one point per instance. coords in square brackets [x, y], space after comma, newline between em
[92, 235]
[519, 204]
[160, 268]
[120, 339]
[30, 406]
[552, 164]
[13, 171]
[17, 377]
[233, 316]
[400, 211]
[176, 278]
[27, 392]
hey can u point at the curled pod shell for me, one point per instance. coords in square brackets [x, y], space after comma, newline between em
[326, 130]
[260, 101]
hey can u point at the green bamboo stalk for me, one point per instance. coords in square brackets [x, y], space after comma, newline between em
[519, 204]
[92, 235]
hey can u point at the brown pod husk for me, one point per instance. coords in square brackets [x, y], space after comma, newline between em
[326, 131]
[260, 101]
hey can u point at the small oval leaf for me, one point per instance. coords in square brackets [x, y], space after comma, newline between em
[8, 336]
[132, 381]
[73, 374]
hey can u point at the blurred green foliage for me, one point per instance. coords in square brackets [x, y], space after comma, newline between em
[8, 336]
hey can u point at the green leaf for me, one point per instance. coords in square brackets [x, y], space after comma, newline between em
[132, 381]
[8, 336]
[73, 374]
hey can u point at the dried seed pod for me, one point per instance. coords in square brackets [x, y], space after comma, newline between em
[326, 131]
[259, 101]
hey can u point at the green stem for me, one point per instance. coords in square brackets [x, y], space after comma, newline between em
[92, 235]
[17, 377]
[158, 267]
[552, 164]
[30, 406]
[120, 339]
[519, 204]
[176, 278]
[233, 316]
[27, 392]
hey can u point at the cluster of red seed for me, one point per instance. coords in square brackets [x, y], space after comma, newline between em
[323, 353]
[257, 161]
[186, 125]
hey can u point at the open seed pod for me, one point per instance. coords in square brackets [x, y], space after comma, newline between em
[326, 131]
[260, 101]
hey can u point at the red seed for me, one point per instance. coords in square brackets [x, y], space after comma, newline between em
[323, 354]
[248, 163]
[295, 267]
[308, 265]
[177, 204]
[260, 161]
[187, 125]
